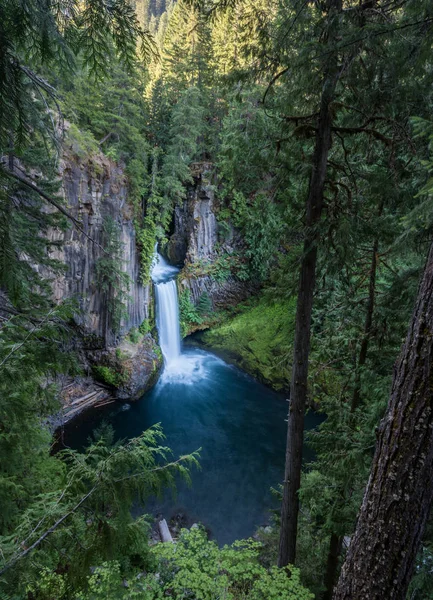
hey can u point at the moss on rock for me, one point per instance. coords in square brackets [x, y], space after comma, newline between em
[259, 340]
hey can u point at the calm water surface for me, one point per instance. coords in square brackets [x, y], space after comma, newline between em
[239, 424]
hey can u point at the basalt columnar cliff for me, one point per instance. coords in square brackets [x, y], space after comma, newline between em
[199, 240]
[95, 190]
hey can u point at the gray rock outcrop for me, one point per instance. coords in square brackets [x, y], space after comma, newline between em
[195, 224]
[95, 190]
[199, 240]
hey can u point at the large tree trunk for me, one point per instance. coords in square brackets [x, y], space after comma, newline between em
[397, 501]
[307, 280]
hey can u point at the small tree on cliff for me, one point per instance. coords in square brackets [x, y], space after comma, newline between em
[111, 278]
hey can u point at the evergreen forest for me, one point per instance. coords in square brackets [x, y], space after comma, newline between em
[216, 299]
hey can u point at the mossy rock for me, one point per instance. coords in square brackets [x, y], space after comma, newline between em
[259, 340]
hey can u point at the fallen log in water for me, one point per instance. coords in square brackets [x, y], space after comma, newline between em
[104, 402]
[164, 531]
[84, 404]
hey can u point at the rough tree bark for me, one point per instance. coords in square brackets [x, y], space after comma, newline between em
[298, 389]
[397, 501]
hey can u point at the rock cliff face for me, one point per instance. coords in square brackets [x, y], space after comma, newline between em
[96, 190]
[197, 242]
[195, 225]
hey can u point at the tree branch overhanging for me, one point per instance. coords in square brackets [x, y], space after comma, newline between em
[355, 130]
[50, 200]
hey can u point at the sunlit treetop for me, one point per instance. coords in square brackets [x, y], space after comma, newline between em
[38, 34]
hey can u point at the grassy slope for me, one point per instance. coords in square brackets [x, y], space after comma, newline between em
[259, 340]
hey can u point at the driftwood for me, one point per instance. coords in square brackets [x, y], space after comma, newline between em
[83, 398]
[83, 404]
[105, 402]
[164, 531]
[66, 387]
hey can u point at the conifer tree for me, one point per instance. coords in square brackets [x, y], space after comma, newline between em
[332, 72]
[347, 64]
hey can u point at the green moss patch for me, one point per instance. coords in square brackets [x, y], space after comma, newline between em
[259, 340]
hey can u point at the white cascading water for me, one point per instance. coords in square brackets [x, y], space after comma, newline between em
[179, 367]
[167, 309]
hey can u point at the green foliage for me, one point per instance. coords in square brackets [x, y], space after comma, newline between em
[86, 514]
[116, 114]
[30, 354]
[109, 375]
[258, 339]
[196, 568]
[220, 267]
[186, 130]
[206, 100]
[253, 196]
[420, 586]
[204, 304]
[112, 117]
[145, 327]
[135, 335]
[24, 227]
[146, 240]
[38, 35]
[82, 143]
[189, 315]
[193, 316]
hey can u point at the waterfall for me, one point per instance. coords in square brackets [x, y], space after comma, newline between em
[167, 309]
[179, 367]
[167, 320]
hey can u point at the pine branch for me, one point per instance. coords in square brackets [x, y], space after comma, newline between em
[354, 130]
[28, 336]
[53, 202]
[374, 34]
[338, 48]
[48, 532]
[164, 467]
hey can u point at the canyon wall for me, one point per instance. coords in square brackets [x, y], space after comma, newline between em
[199, 241]
[96, 190]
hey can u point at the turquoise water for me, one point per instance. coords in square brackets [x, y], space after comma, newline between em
[240, 426]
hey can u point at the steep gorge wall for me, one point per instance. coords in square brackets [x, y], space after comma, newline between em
[94, 191]
[196, 241]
